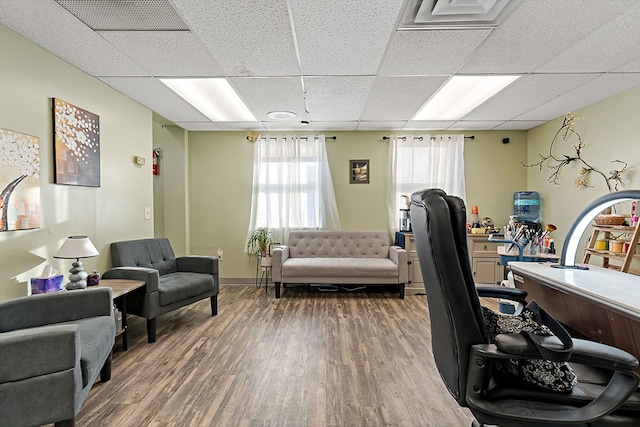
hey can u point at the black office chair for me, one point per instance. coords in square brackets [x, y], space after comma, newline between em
[605, 394]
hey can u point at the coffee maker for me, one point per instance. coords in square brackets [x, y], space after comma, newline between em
[405, 221]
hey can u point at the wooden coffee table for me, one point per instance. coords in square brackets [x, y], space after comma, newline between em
[120, 288]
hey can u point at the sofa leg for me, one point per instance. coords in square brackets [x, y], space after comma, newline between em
[214, 305]
[105, 372]
[151, 330]
[66, 423]
[401, 290]
[277, 289]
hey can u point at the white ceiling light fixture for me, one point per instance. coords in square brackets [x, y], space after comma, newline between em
[213, 97]
[460, 95]
[281, 115]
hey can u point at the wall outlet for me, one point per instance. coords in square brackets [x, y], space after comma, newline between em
[220, 254]
[147, 212]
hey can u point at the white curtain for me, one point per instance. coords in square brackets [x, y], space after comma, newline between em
[418, 162]
[292, 186]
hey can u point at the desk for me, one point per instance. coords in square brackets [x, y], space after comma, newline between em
[601, 304]
[121, 288]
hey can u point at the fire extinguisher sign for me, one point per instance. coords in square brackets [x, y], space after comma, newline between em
[156, 161]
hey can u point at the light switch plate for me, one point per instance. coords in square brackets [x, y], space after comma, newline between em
[139, 160]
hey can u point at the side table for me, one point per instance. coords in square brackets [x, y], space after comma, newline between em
[121, 288]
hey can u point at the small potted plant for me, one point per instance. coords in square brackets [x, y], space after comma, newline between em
[259, 243]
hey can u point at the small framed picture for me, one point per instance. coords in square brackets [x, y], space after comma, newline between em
[359, 171]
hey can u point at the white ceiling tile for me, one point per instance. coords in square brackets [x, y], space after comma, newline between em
[432, 52]
[272, 94]
[337, 98]
[519, 125]
[247, 38]
[166, 53]
[338, 37]
[321, 126]
[595, 90]
[153, 94]
[474, 125]
[428, 124]
[527, 93]
[609, 47]
[42, 21]
[399, 98]
[381, 125]
[537, 31]
[284, 126]
[254, 126]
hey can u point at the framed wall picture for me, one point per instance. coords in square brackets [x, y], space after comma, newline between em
[77, 145]
[359, 171]
[19, 181]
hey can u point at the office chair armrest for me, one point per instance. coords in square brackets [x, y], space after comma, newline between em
[620, 387]
[513, 294]
[585, 352]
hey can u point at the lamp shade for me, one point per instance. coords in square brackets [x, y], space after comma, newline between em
[76, 247]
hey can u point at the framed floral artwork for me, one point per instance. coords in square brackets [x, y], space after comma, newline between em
[19, 181]
[77, 145]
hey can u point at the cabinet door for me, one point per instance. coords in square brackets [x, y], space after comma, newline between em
[416, 272]
[484, 271]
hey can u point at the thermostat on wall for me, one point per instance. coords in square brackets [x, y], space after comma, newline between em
[139, 160]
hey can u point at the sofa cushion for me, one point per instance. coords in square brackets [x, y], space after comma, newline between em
[339, 267]
[96, 341]
[154, 253]
[338, 244]
[179, 286]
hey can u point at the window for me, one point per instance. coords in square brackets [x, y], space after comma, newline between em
[419, 162]
[292, 186]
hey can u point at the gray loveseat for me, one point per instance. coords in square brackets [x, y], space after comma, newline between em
[171, 282]
[340, 257]
[52, 348]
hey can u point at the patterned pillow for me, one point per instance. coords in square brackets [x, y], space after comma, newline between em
[555, 376]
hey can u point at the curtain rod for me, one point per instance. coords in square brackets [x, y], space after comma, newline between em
[404, 138]
[302, 137]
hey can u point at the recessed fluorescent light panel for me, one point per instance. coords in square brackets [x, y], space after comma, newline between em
[462, 94]
[214, 97]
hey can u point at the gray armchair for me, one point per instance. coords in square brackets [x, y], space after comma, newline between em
[171, 282]
[52, 348]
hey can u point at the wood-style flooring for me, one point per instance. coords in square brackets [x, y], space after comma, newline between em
[309, 358]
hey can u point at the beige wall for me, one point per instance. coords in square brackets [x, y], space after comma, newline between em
[220, 176]
[29, 78]
[609, 129]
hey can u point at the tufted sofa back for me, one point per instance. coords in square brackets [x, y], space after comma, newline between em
[149, 253]
[338, 244]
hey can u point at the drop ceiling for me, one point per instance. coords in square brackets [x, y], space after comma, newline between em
[344, 65]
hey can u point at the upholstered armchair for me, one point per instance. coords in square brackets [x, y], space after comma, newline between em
[52, 348]
[170, 282]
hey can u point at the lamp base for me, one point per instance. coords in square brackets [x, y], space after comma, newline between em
[77, 278]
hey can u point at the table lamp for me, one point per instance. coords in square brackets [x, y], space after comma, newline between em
[572, 241]
[76, 247]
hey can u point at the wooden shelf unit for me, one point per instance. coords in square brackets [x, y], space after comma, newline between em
[626, 258]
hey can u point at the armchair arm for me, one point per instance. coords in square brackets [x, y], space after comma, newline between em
[279, 254]
[33, 352]
[150, 276]
[198, 264]
[623, 383]
[50, 308]
[401, 258]
[513, 294]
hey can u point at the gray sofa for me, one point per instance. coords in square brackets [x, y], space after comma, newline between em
[340, 258]
[171, 282]
[52, 348]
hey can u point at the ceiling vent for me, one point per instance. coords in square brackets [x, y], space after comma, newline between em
[126, 15]
[425, 14]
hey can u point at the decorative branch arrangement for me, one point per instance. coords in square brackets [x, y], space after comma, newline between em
[556, 164]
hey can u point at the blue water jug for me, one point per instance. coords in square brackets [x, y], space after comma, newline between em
[526, 206]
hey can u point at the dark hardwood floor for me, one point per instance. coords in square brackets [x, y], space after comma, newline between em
[308, 359]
